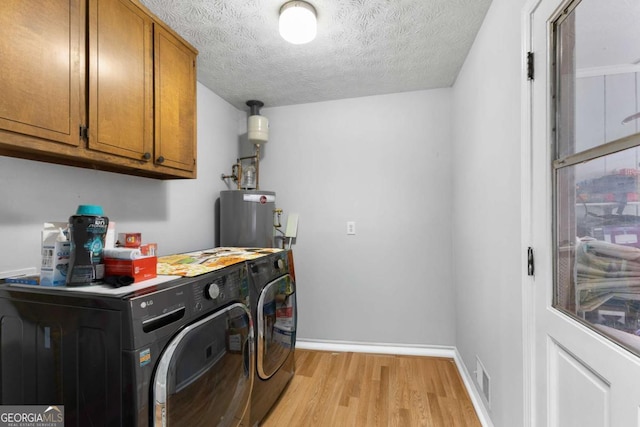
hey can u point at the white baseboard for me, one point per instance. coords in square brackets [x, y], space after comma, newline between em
[474, 394]
[407, 350]
[360, 347]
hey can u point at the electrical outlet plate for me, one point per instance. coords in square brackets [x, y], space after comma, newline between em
[351, 227]
[292, 225]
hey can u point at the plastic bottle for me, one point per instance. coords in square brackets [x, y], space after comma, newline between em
[87, 232]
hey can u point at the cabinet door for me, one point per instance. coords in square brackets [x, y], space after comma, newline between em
[120, 79]
[40, 71]
[175, 108]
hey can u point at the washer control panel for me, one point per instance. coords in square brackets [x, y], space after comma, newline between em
[263, 270]
[216, 289]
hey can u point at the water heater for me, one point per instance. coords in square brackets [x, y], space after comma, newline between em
[246, 218]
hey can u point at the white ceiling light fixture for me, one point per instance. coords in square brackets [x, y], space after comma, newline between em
[298, 24]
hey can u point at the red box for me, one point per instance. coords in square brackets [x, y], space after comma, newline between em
[129, 240]
[149, 249]
[140, 269]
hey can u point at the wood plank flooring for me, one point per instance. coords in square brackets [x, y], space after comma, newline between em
[358, 389]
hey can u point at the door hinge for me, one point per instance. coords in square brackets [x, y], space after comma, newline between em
[84, 132]
[529, 65]
[530, 262]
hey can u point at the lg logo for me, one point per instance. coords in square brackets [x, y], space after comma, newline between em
[145, 304]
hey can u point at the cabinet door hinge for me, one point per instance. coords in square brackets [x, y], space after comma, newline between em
[529, 65]
[84, 132]
[530, 262]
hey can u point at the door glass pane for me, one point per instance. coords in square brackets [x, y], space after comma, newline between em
[596, 168]
[208, 377]
[277, 325]
[597, 58]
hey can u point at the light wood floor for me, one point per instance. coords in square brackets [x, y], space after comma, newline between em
[358, 389]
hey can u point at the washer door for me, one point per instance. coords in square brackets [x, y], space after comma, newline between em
[276, 325]
[203, 377]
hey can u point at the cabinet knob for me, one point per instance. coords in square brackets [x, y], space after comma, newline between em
[160, 159]
[146, 156]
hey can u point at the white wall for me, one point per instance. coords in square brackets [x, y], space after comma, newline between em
[486, 206]
[385, 163]
[178, 215]
[416, 171]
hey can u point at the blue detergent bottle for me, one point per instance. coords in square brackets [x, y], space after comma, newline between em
[87, 232]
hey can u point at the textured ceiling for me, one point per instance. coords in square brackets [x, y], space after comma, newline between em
[363, 47]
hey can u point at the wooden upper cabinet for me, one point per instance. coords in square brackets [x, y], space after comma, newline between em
[40, 75]
[106, 66]
[175, 102]
[120, 79]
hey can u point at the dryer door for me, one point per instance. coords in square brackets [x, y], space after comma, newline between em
[276, 325]
[203, 377]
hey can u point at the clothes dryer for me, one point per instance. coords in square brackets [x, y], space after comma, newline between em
[172, 353]
[273, 307]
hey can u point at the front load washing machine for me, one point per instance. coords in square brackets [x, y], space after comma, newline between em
[173, 353]
[273, 307]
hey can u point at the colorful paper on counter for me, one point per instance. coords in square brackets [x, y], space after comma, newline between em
[195, 263]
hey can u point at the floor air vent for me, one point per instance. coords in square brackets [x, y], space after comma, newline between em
[483, 382]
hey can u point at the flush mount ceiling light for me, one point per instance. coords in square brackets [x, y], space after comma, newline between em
[298, 22]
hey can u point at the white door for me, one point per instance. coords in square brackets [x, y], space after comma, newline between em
[581, 207]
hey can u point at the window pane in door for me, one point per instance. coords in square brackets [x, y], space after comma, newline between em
[596, 167]
[598, 61]
[598, 246]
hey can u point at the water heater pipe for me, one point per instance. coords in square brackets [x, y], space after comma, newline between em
[260, 133]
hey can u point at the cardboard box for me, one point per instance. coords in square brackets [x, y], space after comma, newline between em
[56, 251]
[110, 238]
[149, 249]
[24, 280]
[622, 235]
[129, 240]
[140, 269]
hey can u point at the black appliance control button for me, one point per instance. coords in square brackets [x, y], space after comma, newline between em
[212, 291]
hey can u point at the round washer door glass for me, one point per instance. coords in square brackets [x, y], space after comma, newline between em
[204, 375]
[276, 325]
